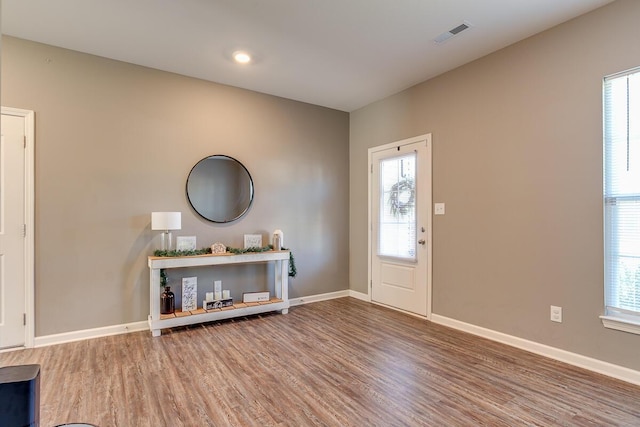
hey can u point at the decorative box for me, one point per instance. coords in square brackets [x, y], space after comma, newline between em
[211, 305]
[255, 297]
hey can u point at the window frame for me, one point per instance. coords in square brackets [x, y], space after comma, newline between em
[615, 317]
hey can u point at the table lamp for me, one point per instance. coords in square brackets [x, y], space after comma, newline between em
[166, 221]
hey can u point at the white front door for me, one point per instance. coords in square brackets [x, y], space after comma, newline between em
[400, 243]
[12, 232]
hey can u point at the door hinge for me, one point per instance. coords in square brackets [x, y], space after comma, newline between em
[371, 167]
[24, 230]
[24, 319]
[24, 141]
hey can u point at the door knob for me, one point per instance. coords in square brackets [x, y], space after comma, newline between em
[422, 241]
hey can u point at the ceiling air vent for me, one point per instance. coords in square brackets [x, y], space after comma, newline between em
[452, 32]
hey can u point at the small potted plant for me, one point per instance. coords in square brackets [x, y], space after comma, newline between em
[167, 299]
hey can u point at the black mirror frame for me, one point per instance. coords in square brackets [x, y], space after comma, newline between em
[252, 194]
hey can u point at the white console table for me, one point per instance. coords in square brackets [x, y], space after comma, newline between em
[157, 322]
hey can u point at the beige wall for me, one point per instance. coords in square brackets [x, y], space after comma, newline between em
[517, 158]
[115, 142]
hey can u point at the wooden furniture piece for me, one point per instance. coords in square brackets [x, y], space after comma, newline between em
[279, 303]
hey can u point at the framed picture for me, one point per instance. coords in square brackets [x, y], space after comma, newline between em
[186, 243]
[252, 241]
[189, 293]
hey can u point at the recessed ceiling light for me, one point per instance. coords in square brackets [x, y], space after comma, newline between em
[242, 57]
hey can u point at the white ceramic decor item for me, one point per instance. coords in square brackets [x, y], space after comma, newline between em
[280, 235]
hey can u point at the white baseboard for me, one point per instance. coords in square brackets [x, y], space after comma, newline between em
[595, 365]
[86, 334]
[320, 297]
[105, 331]
[359, 295]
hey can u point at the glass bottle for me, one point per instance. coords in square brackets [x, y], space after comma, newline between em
[167, 301]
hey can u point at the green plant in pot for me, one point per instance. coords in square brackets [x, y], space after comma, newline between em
[167, 299]
[163, 278]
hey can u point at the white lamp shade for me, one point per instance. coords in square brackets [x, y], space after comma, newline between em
[166, 220]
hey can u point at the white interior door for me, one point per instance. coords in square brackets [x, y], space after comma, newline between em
[12, 232]
[400, 243]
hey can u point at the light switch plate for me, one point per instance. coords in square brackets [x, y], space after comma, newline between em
[438, 209]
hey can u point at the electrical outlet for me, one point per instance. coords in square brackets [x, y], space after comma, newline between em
[556, 314]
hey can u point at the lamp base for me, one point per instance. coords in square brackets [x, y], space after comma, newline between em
[167, 241]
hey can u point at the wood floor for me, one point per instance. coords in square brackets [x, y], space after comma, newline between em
[342, 362]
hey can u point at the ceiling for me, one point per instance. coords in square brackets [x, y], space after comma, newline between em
[342, 54]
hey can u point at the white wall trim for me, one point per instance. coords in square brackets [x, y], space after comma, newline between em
[29, 210]
[359, 295]
[86, 334]
[429, 199]
[316, 298]
[105, 331]
[595, 365]
[621, 324]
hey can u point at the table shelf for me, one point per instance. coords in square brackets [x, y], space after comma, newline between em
[179, 313]
[280, 302]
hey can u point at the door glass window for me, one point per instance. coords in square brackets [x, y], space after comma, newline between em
[397, 209]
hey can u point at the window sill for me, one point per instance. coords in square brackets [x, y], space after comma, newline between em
[621, 324]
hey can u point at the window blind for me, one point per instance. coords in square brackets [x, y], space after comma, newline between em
[622, 194]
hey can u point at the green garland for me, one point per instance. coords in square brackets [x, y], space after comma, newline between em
[237, 251]
[175, 253]
[293, 271]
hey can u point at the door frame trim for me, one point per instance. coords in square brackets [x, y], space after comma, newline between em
[426, 137]
[29, 203]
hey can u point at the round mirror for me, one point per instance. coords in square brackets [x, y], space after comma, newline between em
[220, 189]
